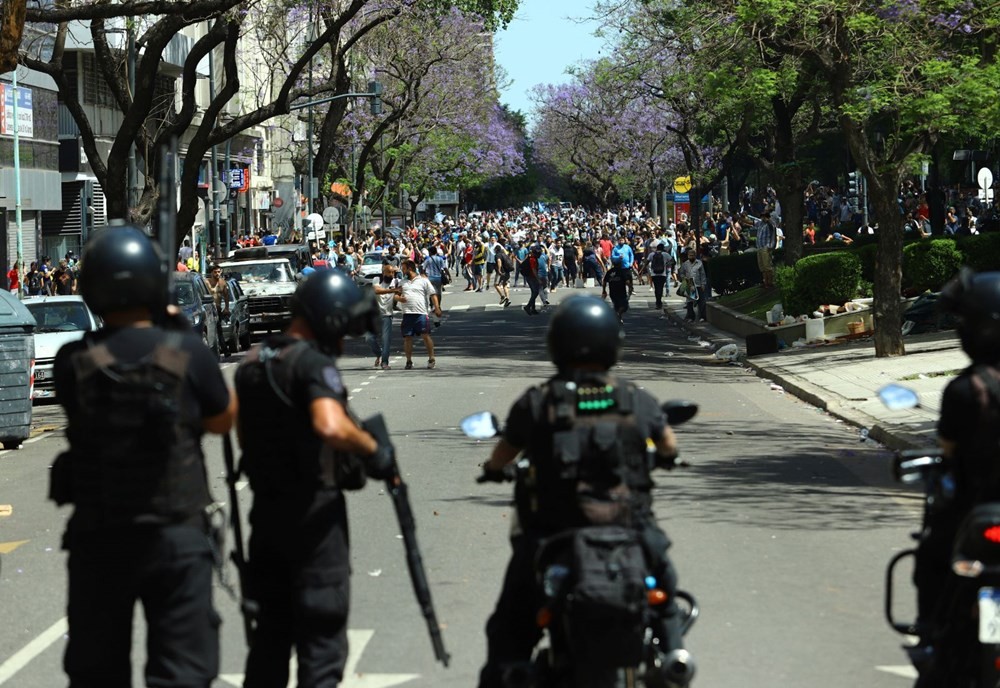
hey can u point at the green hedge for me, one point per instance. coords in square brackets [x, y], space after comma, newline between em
[981, 251]
[819, 279]
[929, 264]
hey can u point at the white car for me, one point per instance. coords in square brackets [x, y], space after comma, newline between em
[371, 265]
[60, 319]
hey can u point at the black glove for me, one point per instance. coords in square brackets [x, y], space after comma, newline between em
[381, 465]
[666, 462]
[492, 476]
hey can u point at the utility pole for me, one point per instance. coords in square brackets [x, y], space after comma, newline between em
[17, 185]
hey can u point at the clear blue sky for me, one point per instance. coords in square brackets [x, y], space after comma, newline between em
[544, 39]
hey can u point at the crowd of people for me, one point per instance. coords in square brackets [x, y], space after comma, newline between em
[543, 250]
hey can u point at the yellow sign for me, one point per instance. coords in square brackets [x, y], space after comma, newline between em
[682, 184]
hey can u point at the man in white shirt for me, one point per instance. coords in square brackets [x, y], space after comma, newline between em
[491, 260]
[418, 292]
[386, 289]
[556, 257]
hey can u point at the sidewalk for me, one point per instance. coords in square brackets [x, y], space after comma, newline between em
[843, 379]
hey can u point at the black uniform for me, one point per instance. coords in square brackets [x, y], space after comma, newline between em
[299, 570]
[971, 419]
[552, 506]
[135, 399]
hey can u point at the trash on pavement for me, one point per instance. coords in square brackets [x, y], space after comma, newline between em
[728, 352]
[375, 573]
[777, 388]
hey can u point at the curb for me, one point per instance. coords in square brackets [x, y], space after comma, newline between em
[878, 431]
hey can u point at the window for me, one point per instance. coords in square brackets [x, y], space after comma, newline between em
[95, 89]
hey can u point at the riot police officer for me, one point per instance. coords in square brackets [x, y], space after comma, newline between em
[550, 426]
[300, 449]
[969, 433]
[138, 398]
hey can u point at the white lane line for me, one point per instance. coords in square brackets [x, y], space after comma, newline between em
[459, 308]
[903, 670]
[355, 391]
[366, 382]
[22, 657]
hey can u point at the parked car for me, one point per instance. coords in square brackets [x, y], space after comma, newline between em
[236, 327]
[60, 319]
[198, 306]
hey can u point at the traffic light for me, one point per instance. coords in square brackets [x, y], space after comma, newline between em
[853, 184]
[375, 88]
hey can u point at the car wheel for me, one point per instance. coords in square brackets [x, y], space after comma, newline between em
[244, 339]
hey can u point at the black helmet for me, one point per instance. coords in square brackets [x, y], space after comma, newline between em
[334, 306]
[584, 329]
[122, 268]
[974, 299]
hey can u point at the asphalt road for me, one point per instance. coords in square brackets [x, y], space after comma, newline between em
[782, 525]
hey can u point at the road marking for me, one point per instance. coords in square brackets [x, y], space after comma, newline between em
[902, 670]
[6, 509]
[8, 547]
[355, 391]
[240, 484]
[459, 308]
[366, 382]
[20, 659]
[357, 640]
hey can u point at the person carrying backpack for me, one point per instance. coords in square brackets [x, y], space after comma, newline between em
[565, 425]
[659, 265]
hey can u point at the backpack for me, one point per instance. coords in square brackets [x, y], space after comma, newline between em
[503, 258]
[35, 281]
[658, 263]
[605, 599]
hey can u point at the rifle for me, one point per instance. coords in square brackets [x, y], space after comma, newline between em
[248, 608]
[400, 500]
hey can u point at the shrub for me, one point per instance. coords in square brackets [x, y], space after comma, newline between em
[823, 278]
[866, 254]
[784, 279]
[981, 251]
[929, 264]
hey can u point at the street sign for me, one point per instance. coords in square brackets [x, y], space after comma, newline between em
[682, 184]
[985, 177]
[236, 178]
[331, 214]
[277, 203]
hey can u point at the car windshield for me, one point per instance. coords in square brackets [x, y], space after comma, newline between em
[261, 272]
[185, 294]
[60, 317]
[373, 259]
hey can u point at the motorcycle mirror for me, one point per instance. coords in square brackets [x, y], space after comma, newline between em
[480, 426]
[898, 398]
[679, 411]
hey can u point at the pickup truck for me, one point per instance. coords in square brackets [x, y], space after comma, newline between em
[268, 284]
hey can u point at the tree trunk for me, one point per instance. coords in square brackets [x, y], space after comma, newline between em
[788, 183]
[887, 306]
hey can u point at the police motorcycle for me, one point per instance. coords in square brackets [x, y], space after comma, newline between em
[963, 647]
[591, 643]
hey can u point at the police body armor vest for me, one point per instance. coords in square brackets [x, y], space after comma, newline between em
[282, 456]
[589, 460]
[136, 456]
